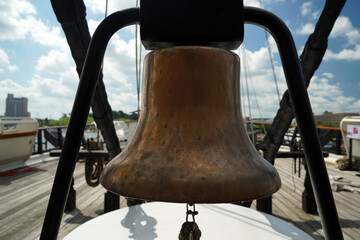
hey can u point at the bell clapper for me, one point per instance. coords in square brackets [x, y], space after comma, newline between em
[190, 230]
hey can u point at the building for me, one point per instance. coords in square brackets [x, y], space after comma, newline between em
[16, 107]
[329, 117]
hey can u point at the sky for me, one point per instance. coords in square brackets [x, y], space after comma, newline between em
[35, 60]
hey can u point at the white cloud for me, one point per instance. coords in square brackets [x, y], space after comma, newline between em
[321, 87]
[124, 101]
[323, 93]
[18, 21]
[336, 104]
[92, 24]
[328, 75]
[306, 8]
[44, 35]
[344, 28]
[316, 14]
[119, 74]
[327, 96]
[5, 62]
[14, 16]
[98, 7]
[252, 3]
[49, 87]
[344, 54]
[51, 90]
[55, 62]
[256, 3]
[271, 1]
[47, 96]
[306, 29]
[262, 80]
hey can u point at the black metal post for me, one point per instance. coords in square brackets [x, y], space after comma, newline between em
[80, 111]
[111, 202]
[338, 142]
[60, 138]
[71, 199]
[39, 141]
[308, 198]
[350, 155]
[304, 116]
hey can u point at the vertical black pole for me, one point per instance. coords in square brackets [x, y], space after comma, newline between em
[79, 114]
[71, 200]
[304, 117]
[60, 138]
[338, 142]
[350, 154]
[265, 204]
[39, 141]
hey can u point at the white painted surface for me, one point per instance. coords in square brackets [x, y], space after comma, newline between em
[15, 142]
[344, 125]
[353, 131]
[163, 221]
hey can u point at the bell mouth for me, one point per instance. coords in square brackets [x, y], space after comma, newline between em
[190, 145]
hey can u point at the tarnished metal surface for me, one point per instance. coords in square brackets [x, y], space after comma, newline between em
[190, 144]
[94, 165]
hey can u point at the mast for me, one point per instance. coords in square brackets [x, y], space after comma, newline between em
[71, 14]
[310, 60]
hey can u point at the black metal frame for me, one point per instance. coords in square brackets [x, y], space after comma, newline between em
[79, 114]
[173, 23]
[297, 89]
[304, 117]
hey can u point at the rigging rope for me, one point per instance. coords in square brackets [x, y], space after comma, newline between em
[137, 58]
[272, 64]
[106, 8]
[247, 70]
[248, 96]
[106, 13]
[137, 65]
[242, 90]
[242, 93]
[271, 60]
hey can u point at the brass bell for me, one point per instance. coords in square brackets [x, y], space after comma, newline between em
[191, 145]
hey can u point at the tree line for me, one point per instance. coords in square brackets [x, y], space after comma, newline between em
[121, 115]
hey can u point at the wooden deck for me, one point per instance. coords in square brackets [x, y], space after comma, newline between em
[24, 196]
[287, 202]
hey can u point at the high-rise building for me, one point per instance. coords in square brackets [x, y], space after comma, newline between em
[16, 107]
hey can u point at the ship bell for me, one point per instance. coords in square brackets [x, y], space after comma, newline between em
[191, 144]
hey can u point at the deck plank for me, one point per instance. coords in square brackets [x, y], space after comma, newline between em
[24, 198]
[347, 203]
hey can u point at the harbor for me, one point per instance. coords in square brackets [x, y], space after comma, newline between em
[24, 195]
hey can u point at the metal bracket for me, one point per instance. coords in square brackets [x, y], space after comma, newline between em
[304, 116]
[187, 22]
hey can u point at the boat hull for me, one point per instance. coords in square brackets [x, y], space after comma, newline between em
[17, 139]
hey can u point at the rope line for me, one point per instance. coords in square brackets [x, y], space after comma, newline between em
[248, 95]
[137, 66]
[272, 64]
[247, 70]
[270, 56]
